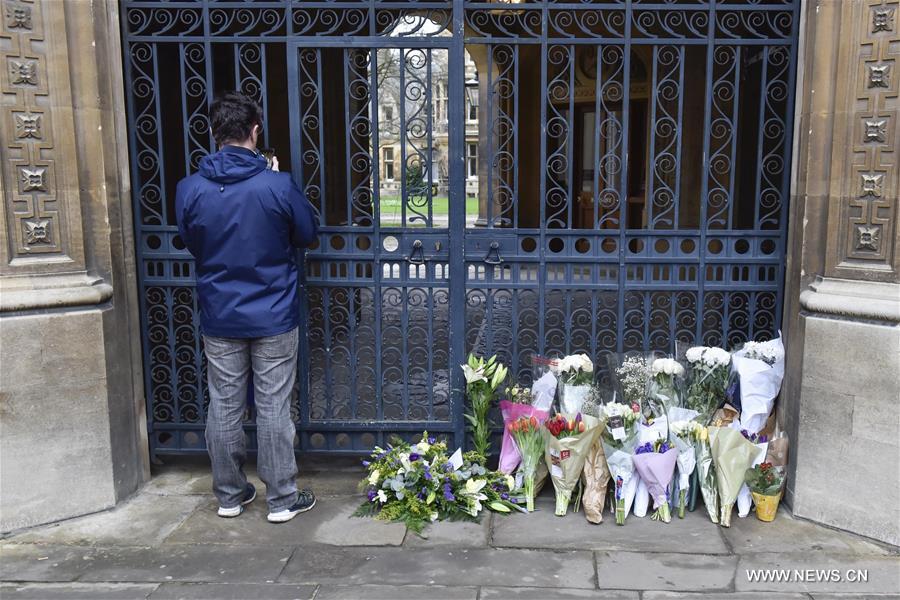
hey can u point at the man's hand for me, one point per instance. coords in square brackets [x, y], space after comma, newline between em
[274, 163]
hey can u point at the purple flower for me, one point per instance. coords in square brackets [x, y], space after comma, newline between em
[448, 493]
[371, 495]
[644, 448]
[413, 457]
[428, 476]
[763, 439]
[448, 467]
[431, 440]
[366, 463]
[504, 496]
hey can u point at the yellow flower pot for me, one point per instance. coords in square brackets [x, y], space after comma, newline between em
[766, 506]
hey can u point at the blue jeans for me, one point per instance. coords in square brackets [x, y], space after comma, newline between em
[273, 362]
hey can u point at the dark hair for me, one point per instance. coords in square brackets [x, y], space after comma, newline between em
[232, 117]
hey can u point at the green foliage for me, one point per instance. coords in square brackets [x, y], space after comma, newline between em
[415, 484]
[483, 380]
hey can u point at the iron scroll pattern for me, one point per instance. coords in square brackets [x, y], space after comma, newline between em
[583, 271]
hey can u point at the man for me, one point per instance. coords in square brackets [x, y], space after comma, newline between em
[242, 222]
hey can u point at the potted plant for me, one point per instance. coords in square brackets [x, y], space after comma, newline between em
[765, 482]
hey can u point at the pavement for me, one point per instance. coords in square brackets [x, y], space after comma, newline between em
[166, 542]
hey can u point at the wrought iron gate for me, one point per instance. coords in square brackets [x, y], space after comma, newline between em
[503, 177]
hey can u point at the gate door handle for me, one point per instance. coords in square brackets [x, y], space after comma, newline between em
[417, 255]
[493, 255]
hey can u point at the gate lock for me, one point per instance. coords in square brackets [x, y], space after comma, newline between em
[493, 255]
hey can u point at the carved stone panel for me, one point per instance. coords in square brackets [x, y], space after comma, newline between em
[41, 220]
[865, 219]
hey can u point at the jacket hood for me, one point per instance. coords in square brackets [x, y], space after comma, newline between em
[231, 164]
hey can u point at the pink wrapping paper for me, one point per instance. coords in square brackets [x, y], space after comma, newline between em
[509, 452]
[656, 470]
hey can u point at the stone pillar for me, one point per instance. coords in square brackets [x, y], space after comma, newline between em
[842, 309]
[72, 424]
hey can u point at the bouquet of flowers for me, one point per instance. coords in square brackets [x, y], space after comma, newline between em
[526, 431]
[653, 431]
[655, 461]
[511, 410]
[765, 479]
[709, 372]
[633, 373]
[483, 378]
[744, 500]
[664, 385]
[595, 476]
[417, 484]
[760, 369]
[732, 455]
[684, 435]
[619, 438]
[568, 439]
[575, 373]
[706, 474]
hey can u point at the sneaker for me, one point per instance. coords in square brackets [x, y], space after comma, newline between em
[305, 501]
[249, 496]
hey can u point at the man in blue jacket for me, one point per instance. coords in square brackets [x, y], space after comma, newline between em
[242, 221]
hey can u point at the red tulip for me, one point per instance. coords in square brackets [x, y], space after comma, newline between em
[581, 427]
[534, 422]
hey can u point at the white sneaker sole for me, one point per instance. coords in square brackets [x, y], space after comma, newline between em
[286, 515]
[230, 513]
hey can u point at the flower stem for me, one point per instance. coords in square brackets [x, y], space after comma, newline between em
[682, 499]
[529, 492]
[620, 511]
[562, 503]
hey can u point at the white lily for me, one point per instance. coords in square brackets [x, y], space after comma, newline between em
[473, 375]
[382, 497]
[374, 476]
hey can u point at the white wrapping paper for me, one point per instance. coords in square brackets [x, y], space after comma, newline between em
[760, 384]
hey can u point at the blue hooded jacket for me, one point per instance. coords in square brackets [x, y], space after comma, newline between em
[242, 222]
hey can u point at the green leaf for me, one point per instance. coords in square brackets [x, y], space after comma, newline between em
[499, 507]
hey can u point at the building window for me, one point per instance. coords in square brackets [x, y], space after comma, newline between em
[388, 164]
[471, 160]
[388, 113]
[473, 112]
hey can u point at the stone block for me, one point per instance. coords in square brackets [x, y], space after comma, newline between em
[537, 593]
[233, 591]
[441, 566]
[387, 592]
[820, 572]
[328, 523]
[453, 533]
[145, 517]
[721, 596]
[543, 529]
[77, 591]
[664, 571]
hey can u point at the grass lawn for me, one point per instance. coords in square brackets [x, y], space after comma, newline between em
[391, 205]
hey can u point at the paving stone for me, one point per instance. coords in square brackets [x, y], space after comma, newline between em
[543, 529]
[145, 519]
[721, 595]
[787, 534]
[855, 596]
[453, 533]
[328, 523]
[883, 573]
[77, 591]
[664, 571]
[233, 591]
[31, 562]
[221, 564]
[440, 566]
[388, 592]
[532, 593]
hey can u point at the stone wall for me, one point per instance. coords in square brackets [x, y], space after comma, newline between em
[841, 393]
[72, 426]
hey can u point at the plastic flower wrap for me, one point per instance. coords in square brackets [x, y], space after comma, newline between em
[575, 373]
[509, 450]
[417, 484]
[732, 455]
[619, 437]
[760, 369]
[483, 378]
[526, 431]
[706, 475]
[709, 370]
[663, 390]
[744, 498]
[655, 430]
[568, 439]
[684, 435]
[655, 461]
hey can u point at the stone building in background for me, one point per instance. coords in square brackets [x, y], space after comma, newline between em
[100, 365]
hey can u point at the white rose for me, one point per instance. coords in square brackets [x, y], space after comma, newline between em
[586, 364]
[694, 354]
